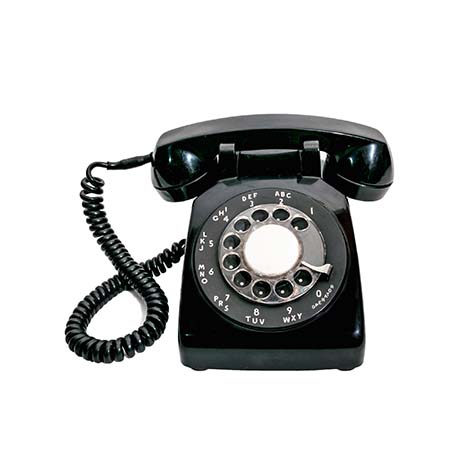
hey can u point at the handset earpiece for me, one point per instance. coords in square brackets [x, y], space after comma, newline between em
[364, 172]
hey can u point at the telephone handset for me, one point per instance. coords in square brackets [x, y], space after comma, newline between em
[271, 276]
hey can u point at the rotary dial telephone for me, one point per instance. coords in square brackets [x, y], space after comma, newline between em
[271, 276]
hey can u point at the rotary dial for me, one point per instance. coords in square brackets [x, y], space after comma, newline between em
[270, 258]
[272, 254]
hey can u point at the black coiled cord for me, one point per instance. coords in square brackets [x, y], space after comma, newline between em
[131, 276]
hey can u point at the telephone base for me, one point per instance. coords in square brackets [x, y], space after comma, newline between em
[213, 338]
[344, 360]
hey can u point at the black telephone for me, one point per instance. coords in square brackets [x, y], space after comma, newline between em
[271, 276]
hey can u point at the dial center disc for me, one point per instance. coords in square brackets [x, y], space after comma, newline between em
[272, 250]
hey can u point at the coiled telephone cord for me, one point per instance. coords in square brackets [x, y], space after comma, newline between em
[130, 276]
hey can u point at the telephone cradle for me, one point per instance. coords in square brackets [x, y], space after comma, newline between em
[271, 276]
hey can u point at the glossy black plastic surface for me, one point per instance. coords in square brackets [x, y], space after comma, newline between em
[334, 339]
[185, 161]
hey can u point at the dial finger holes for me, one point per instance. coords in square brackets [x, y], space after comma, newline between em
[261, 249]
[231, 262]
[259, 215]
[284, 288]
[261, 289]
[281, 214]
[242, 279]
[231, 242]
[303, 277]
[299, 223]
[242, 225]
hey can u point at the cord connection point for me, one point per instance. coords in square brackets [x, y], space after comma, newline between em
[128, 163]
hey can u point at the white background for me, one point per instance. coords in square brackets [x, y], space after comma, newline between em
[90, 80]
